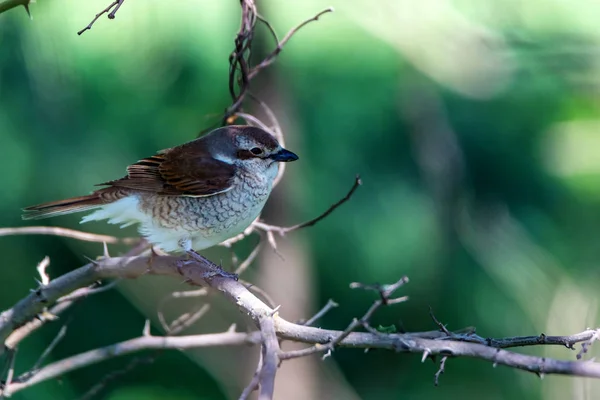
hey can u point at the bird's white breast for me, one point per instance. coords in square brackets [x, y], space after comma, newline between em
[167, 222]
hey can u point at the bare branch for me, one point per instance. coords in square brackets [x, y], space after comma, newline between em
[246, 263]
[94, 390]
[271, 57]
[588, 343]
[330, 304]
[270, 358]
[283, 230]
[432, 342]
[253, 385]
[186, 320]
[4, 388]
[114, 6]
[438, 323]
[436, 379]
[59, 336]
[88, 291]
[22, 332]
[65, 232]
[91, 357]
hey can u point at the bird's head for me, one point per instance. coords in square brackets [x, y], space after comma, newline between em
[250, 148]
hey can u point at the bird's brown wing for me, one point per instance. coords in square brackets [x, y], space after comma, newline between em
[176, 172]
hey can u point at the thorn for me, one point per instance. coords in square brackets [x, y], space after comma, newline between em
[426, 353]
[95, 262]
[146, 330]
[328, 354]
[275, 310]
[27, 10]
[47, 316]
[105, 250]
[271, 240]
[232, 328]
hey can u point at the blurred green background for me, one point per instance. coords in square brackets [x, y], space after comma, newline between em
[474, 125]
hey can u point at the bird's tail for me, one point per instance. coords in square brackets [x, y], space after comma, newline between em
[62, 207]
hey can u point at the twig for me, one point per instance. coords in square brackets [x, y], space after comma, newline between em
[385, 291]
[270, 358]
[330, 304]
[283, 230]
[88, 291]
[131, 267]
[65, 232]
[186, 320]
[260, 292]
[94, 390]
[436, 379]
[130, 346]
[438, 323]
[240, 72]
[253, 385]
[59, 336]
[111, 14]
[587, 344]
[268, 60]
[5, 388]
[246, 263]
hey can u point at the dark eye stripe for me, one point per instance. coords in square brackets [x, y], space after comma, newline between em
[245, 154]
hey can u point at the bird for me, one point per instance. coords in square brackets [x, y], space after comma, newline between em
[189, 197]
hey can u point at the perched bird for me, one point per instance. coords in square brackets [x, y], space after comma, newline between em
[188, 197]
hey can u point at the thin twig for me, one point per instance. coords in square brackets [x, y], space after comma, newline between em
[65, 232]
[436, 379]
[438, 323]
[248, 261]
[94, 390]
[253, 385]
[283, 230]
[186, 320]
[268, 60]
[587, 344]
[330, 304]
[88, 291]
[59, 336]
[5, 389]
[111, 14]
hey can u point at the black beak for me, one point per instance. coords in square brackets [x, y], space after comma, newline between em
[284, 155]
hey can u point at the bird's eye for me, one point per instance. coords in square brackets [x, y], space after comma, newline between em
[257, 151]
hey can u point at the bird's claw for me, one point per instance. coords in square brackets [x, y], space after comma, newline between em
[210, 271]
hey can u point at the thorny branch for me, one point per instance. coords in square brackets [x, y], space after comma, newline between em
[240, 70]
[271, 327]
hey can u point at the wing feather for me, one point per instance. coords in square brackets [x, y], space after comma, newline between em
[180, 171]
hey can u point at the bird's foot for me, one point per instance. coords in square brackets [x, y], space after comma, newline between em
[210, 269]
